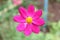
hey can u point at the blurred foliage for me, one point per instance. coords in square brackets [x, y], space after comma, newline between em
[8, 27]
[52, 1]
[55, 27]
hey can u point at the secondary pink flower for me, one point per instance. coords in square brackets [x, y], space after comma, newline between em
[29, 20]
[17, 2]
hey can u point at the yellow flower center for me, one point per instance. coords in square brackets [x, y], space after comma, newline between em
[29, 20]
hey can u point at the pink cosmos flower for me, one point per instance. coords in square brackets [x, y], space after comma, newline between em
[29, 20]
[17, 2]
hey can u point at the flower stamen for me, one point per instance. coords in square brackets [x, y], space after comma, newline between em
[29, 20]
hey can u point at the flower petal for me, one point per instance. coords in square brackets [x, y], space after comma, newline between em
[37, 14]
[28, 30]
[40, 22]
[31, 8]
[35, 29]
[18, 18]
[23, 12]
[21, 27]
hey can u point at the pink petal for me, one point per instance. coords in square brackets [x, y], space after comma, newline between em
[21, 27]
[23, 12]
[38, 14]
[28, 30]
[18, 18]
[35, 29]
[31, 8]
[39, 21]
[17, 2]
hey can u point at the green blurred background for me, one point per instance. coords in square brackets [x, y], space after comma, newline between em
[8, 26]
